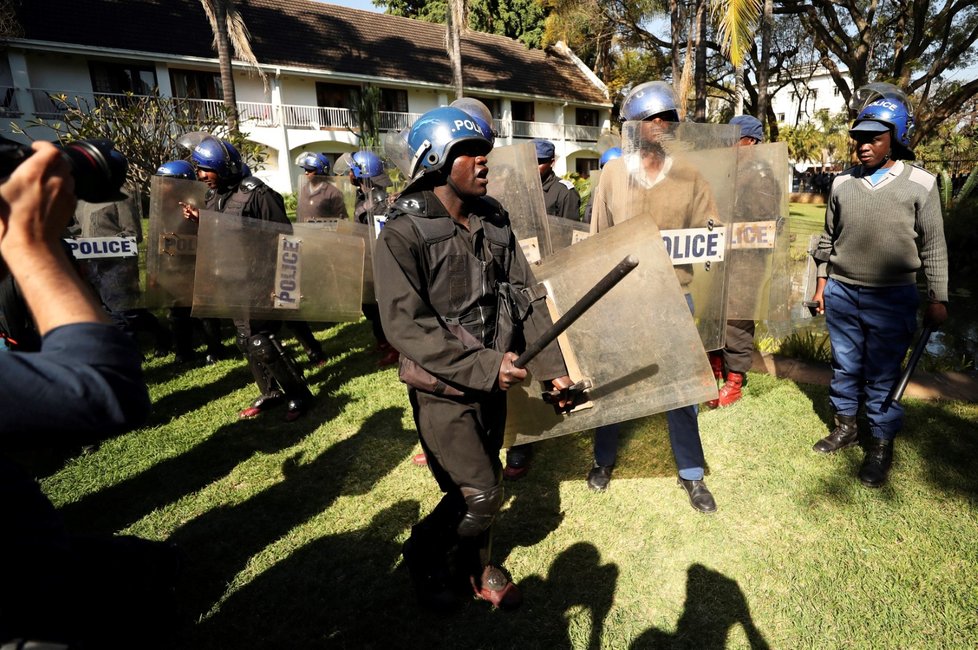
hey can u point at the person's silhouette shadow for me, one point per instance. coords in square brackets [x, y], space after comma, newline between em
[714, 604]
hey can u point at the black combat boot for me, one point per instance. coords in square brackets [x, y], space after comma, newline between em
[845, 433]
[876, 464]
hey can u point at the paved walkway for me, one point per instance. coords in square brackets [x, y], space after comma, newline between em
[923, 385]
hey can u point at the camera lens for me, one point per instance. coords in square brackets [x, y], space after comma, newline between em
[99, 170]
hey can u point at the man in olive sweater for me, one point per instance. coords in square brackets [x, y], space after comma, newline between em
[882, 225]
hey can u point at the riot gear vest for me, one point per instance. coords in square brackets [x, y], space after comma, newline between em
[464, 269]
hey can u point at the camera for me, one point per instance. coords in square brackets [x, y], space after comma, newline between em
[98, 169]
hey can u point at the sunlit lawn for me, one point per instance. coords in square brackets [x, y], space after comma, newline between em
[293, 531]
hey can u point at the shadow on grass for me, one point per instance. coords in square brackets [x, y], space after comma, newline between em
[220, 542]
[115, 507]
[337, 591]
[714, 605]
[351, 591]
[946, 443]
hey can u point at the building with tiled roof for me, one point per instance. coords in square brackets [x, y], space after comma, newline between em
[314, 54]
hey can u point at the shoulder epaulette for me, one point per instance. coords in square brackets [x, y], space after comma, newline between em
[250, 184]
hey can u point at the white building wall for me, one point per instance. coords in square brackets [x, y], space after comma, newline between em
[58, 72]
[798, 103]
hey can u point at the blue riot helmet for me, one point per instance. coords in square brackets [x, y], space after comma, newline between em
[609, 155]
[177, 169]
[648, 99]
[245, 170]
[429, 143]
[479, 112]
[218, 156]
[366, 164]
[316, 163]
[889, 106]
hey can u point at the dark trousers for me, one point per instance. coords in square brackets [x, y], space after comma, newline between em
[738, 352]
[461, 439]
[870, 329]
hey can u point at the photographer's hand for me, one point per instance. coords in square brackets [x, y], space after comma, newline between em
[36, 203]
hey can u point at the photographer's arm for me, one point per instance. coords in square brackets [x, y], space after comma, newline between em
[86, 382]
[38, 201]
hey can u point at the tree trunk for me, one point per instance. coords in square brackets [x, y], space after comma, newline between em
[739, 89]
[676, 29]
[456, 23]
[700, 78]
[224, 57]
[763, 66]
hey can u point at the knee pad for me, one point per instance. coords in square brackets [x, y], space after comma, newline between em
[481, 508]
[262, 348]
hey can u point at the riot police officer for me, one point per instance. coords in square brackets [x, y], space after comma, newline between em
[318, 198]
[219, 165]
[179, 317]
[758, 196]
[680, 195]
[559, 195]
[444, 254]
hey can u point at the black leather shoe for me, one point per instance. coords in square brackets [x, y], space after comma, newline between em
[260, 405]
[517, 462]
[845, 434]
[876, 464]
[295, 410]
[700, 496]
[599, 477]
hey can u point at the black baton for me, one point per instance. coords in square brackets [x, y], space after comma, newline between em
[595, 294]
[901, 384]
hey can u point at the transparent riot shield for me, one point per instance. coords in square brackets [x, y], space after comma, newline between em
[319, 198]
[258, 270]
[758, 281]
[106, 249]
[802, 283]
[683, 175]
[637, 347]
[349, 192]
[369, 237]
[514, 181]
[565, 232]
[171, 248]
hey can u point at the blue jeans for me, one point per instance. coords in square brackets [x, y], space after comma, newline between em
[684, 436]
[870, 329]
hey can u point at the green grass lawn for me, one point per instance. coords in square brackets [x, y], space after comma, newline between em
[293, 531]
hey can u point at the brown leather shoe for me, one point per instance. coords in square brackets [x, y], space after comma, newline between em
[497, 589]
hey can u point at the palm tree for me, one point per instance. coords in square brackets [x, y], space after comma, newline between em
[230, 32]
[736, 22]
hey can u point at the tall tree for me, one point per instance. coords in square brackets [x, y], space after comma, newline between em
[522, 20]
[913, 43]
[737, 23]
[230, 32]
